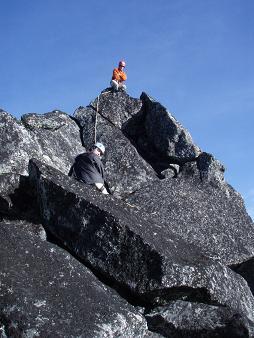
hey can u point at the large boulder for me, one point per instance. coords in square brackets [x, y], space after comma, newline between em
[165, 133]
[53, 137]
[202, 213]
[45, 292]
[116, 107]
[136, 255]
[159, 137]
[17, 145]
[126, 170]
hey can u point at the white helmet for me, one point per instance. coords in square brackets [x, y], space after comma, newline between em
[100, 146]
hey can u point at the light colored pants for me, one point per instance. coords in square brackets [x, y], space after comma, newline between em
[101, 187]
[116, 86]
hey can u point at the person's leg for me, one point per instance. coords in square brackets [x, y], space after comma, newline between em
[122, 87]
[102, 189]
[114, 85]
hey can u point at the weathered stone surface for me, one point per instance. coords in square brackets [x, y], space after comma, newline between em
[165, 132]
[137, 255]
[54, 138]
[164, 244]
[125, 169]
[45, 292]
[201, 213]
[159, 137]
[192, 320]
[117, 107]
[246, 270]
[17, 198]
[17, 145]
[210, 168]
[8, 184]
[207, 168]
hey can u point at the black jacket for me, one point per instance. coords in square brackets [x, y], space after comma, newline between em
[88, 168]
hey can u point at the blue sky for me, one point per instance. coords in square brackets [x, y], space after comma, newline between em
[194, 56]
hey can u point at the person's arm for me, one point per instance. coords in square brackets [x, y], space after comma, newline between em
[99, 166]
[116, 75]
[123, 76]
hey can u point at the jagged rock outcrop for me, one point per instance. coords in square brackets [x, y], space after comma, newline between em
[53, 138]
[155, 133]
[137, 256]
[206, 168]
[202, 213]
[163, 243]
[200, 206]
[159, 137]
[45, 292]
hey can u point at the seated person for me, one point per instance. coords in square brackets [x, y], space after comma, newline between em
[118, 77]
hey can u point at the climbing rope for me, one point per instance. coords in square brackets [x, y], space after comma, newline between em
[96, 119]
[96, 114]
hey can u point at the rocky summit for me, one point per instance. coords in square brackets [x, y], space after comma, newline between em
[168, 254]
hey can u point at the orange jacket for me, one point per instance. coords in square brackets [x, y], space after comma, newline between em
[119, 75]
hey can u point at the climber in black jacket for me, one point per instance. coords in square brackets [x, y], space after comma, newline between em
[89, 169]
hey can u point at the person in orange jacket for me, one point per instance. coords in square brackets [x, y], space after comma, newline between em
[118, 77]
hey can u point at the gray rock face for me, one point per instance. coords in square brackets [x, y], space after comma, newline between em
[45, 292]
[185, 319]
[17, 145]
[165, 132]
[163, 244]
[202, 214]
[246, 270]
[54, 138]
[159, 137]
[125, 169]
[206, 168]
[117, 107]
[139, 256]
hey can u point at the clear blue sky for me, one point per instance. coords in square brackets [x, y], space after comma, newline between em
[194, 56]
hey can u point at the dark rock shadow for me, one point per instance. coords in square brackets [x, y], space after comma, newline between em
[21, 204]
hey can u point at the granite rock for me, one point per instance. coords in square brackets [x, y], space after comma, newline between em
[8, 184]
[45, 292]
[17, 145]
[53, 137]
[207, 168]
[168, 137]
[202, 213]
[159, 137]
[246, 270]
[186, 319]
[116, 107]
[134, 254]
[163, 244]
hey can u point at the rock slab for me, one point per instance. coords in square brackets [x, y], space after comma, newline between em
[45, 292]
[133, 254]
